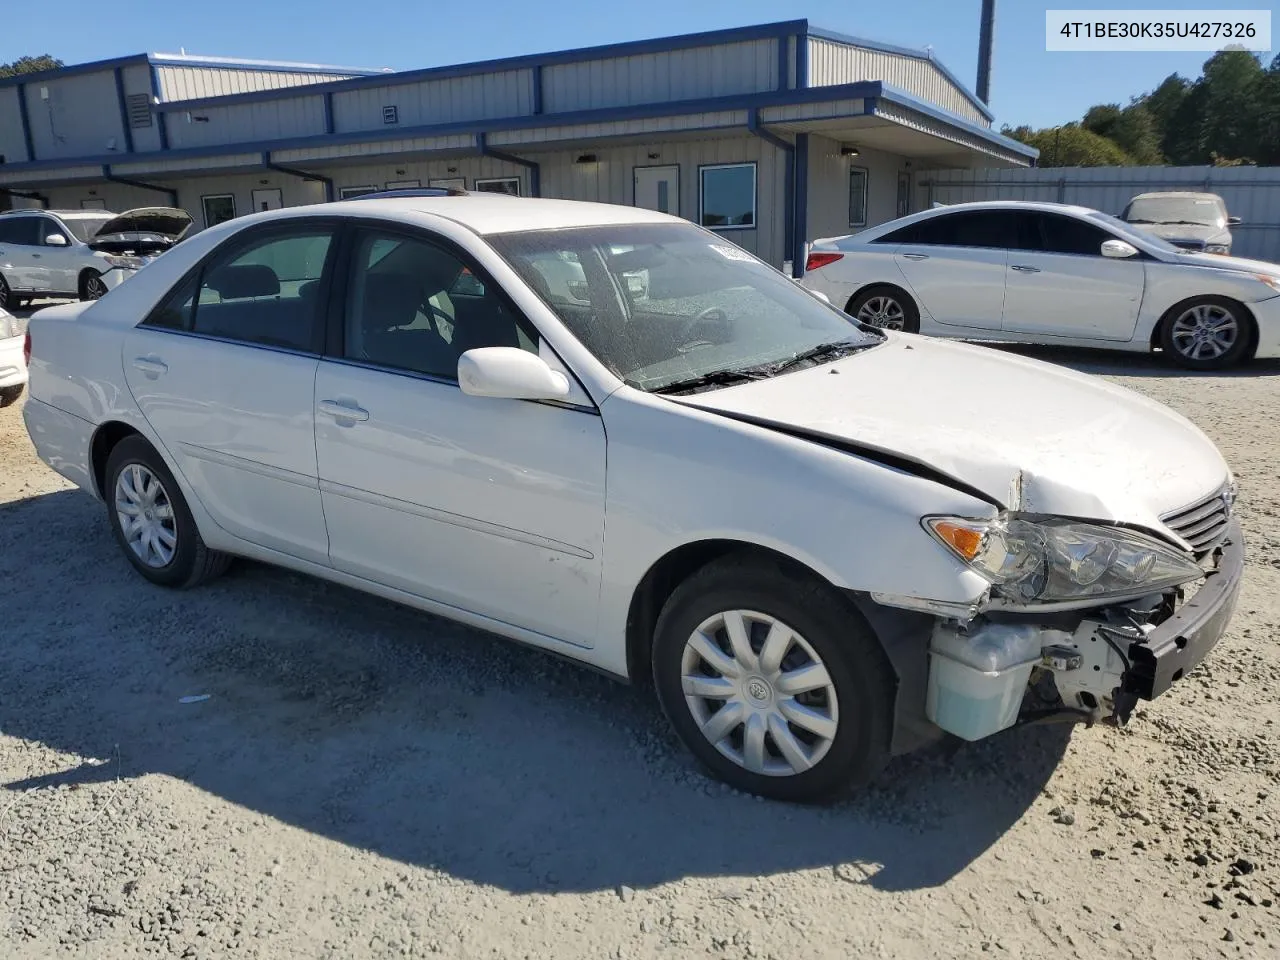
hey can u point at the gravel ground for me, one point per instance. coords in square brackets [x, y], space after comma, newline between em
[367, 781]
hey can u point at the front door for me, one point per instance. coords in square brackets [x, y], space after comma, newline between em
[268, 198]
[658, 188]
[492, 506]
[61, 263]
[224, 371]
[1060, 285]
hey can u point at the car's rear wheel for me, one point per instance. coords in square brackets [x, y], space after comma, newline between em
[9, 395]
[1207, 333]
[7, 300]
[773, 681]
[92, 286]
[151, 520]
[885, 307]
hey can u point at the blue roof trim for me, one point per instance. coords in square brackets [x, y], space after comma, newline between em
[820, 34]
[866, 90]
[766, 31]
[911, 101]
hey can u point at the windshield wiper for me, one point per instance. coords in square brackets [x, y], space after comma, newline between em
[823, 351]
[716, 378]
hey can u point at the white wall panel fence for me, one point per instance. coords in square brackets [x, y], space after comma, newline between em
[1251, 193]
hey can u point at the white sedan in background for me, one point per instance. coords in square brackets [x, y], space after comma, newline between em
[616, 436]
[13, 360]
[1053, 274]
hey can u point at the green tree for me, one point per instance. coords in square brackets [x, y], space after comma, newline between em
[1071, 146]
[1163, 102]
[1232, 80]
[1269, 115]
[29, 65]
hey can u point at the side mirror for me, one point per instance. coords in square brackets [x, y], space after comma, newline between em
[1234, 221]
[55, 240]
[509, 373]
[1118, 249]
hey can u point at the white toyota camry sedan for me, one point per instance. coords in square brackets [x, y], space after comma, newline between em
[618, 437]
[1053, 274]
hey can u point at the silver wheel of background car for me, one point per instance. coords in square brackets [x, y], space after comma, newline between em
[882, 311]
[146, 516]
[95, 288]
[1206, 331]
[759, 693]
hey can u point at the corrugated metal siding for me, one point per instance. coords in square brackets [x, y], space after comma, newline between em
[118, 197]
[78, 119]
[612, 180]
[197, 82]
[12, 143]
[828, 213]
[813, 111]
[185, 164]
[711, 71]
[831, 64]
[382, 147]
[1251, 193]
[240, 123]
[35, 180]
[617, 128]
[508, 93]
[137, 80]
[380, 174]
[943, 131]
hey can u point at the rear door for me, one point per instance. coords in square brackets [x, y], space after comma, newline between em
[954, 264]
[224, 370]
[1060, 285]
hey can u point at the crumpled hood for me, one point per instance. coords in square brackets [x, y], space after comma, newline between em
[169, 222]
[1030, 435]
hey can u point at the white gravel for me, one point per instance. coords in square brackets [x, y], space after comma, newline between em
[366, 781]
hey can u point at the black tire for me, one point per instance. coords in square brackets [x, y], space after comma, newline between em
[192, 562]
[856, 666]
[9, 395]
[7, 300]
[1178, 341]
[910, 322]
[91, 286]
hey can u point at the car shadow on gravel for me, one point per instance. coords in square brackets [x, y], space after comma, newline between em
[1114, 363]
[431, 743]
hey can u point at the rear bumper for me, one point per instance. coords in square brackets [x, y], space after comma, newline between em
[1176, 646]
[61, 440]
[13, 367]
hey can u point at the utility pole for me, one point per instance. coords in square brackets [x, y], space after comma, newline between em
[986, 41]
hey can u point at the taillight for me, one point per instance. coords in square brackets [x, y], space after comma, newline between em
[821, 259]
[26, 349]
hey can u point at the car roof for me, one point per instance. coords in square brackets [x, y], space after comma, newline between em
[1011, 205]
[1176, 194]
[497, 213]
[65, 214]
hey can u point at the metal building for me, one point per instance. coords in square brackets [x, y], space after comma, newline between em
[774, 134]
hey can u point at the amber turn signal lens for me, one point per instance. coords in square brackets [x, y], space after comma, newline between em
[964, 540]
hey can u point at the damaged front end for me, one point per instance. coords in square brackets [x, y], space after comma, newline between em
[1029, 652]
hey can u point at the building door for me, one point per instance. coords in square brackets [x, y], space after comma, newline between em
[658, 188]
[267, 199]
[903, 206]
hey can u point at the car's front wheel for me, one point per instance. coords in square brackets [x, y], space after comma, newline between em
[773, 681]
[92, 286]
[1207, 333]
[151, 520]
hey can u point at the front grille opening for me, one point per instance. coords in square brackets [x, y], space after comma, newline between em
[1202, 524]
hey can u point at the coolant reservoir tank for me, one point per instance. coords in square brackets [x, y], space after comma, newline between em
[977, 678]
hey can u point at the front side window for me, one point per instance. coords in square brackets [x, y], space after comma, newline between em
[265, 293]
[857, 197]
[661, 304]
[412, 305]
[727, 196]
[46, 228]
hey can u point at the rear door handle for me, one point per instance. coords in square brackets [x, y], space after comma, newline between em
[342, 411]
[150, 366]
[35, 256]
[1023, 268]
[916, 256]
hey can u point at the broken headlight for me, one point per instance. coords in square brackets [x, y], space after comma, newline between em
[1056, 561]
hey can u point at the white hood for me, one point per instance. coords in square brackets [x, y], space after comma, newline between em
[1030, 435]
[1219, 262]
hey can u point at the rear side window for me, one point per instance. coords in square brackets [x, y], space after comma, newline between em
[1053, 233]
[265, 293]
[973, 228]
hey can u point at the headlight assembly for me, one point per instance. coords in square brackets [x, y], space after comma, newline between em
[129, 263]
[1057, 561]
[1219, 248]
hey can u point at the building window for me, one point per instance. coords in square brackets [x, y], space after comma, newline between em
[449, 183]
[857, 196]
[218, 208]
[403, 184]
[727, 198]
[390, 114]
[350, 193]
[508, 185]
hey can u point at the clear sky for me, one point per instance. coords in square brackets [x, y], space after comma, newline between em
[1029, 85]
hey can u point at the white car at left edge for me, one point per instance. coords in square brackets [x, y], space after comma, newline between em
[13, 357]
[1051, 273]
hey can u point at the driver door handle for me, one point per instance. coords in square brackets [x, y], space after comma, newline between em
[150, 366]
[342, 411]
[1024, 268]
[915, 256]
